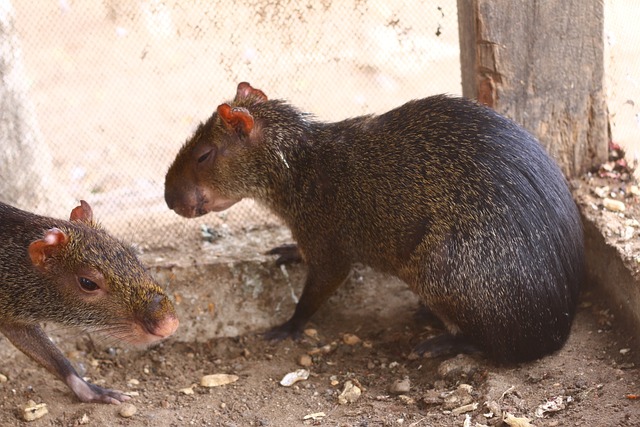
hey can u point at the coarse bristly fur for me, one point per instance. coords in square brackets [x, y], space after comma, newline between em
[461, 203]
[43, 265]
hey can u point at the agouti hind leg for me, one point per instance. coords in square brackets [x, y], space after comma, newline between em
[32, 341]
[321, 282]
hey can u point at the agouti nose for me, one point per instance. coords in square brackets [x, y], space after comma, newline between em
[165, 327]
[160, 319]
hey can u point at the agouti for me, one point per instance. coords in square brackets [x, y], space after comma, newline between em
[75, 274]
[459, 202]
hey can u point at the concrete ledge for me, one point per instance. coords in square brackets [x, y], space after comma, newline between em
[229, 288]
[611, 276]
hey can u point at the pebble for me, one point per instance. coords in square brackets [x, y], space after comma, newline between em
[512, 421]
[311, 333]
[32, 410]
[3, 378]
[613, 205]
[127, 410]
[84, 420]
[461, 366]
[432, 397]
[400, 386]
[459, 397]
[293, 377]
[215, 380]
[305, 360]
[350, 339]
[187, 390]
[349, 394]
[634, 190]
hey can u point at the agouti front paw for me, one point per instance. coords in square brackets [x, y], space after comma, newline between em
[287, 254]
[91, 393]
[288, 329]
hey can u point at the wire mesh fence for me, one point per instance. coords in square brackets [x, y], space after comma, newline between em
[118, 85]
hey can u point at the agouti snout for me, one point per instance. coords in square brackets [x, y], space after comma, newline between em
[75, 274]
[461, 203]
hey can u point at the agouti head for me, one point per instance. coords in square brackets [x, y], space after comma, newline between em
[214, 167]
[93, 281]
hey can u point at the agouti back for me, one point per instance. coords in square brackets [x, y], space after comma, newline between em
[75, 274]
[461, 203]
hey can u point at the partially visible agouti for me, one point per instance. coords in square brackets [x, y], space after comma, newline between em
[75, 274]
[461, 203]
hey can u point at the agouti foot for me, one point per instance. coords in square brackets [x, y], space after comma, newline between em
[287, 254]
[91, 393]
[445, 345]
[286, 330]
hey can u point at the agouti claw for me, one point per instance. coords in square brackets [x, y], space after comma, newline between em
[287, 254]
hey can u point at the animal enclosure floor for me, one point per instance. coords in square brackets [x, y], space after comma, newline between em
[592, 381]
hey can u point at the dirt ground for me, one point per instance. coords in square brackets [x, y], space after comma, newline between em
[593, 381]
[595, 376]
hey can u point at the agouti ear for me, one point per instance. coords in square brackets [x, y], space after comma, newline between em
[82, 213]
[246, 91]
[236, 119]
[39, 250]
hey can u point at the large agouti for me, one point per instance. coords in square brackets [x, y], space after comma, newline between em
[459, 202]
[75, 274]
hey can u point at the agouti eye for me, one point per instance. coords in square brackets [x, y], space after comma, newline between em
[88, 285]
[204, 156]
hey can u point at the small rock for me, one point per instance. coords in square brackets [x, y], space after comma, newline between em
[293, 377]
[127, 410]
[634, 190]
[133, 382]
[400, 386]
[512, 421]
[350, 339]
[187, 390]
[494, 409]
[459, 397]
[432, 397]
[406, 399]
[625, 350]
[305, 360]
[602, 192]
[613, 205]
[349, 394]
[32, 410]
[321, 350]
[553, 405]
[311, 333]
[315, 416]
[3, 378]
[461, 366]
[84, 420]
[216, 380]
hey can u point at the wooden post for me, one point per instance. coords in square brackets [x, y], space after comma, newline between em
[541, 63]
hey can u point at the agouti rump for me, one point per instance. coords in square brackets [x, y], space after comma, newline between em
[458, 201]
